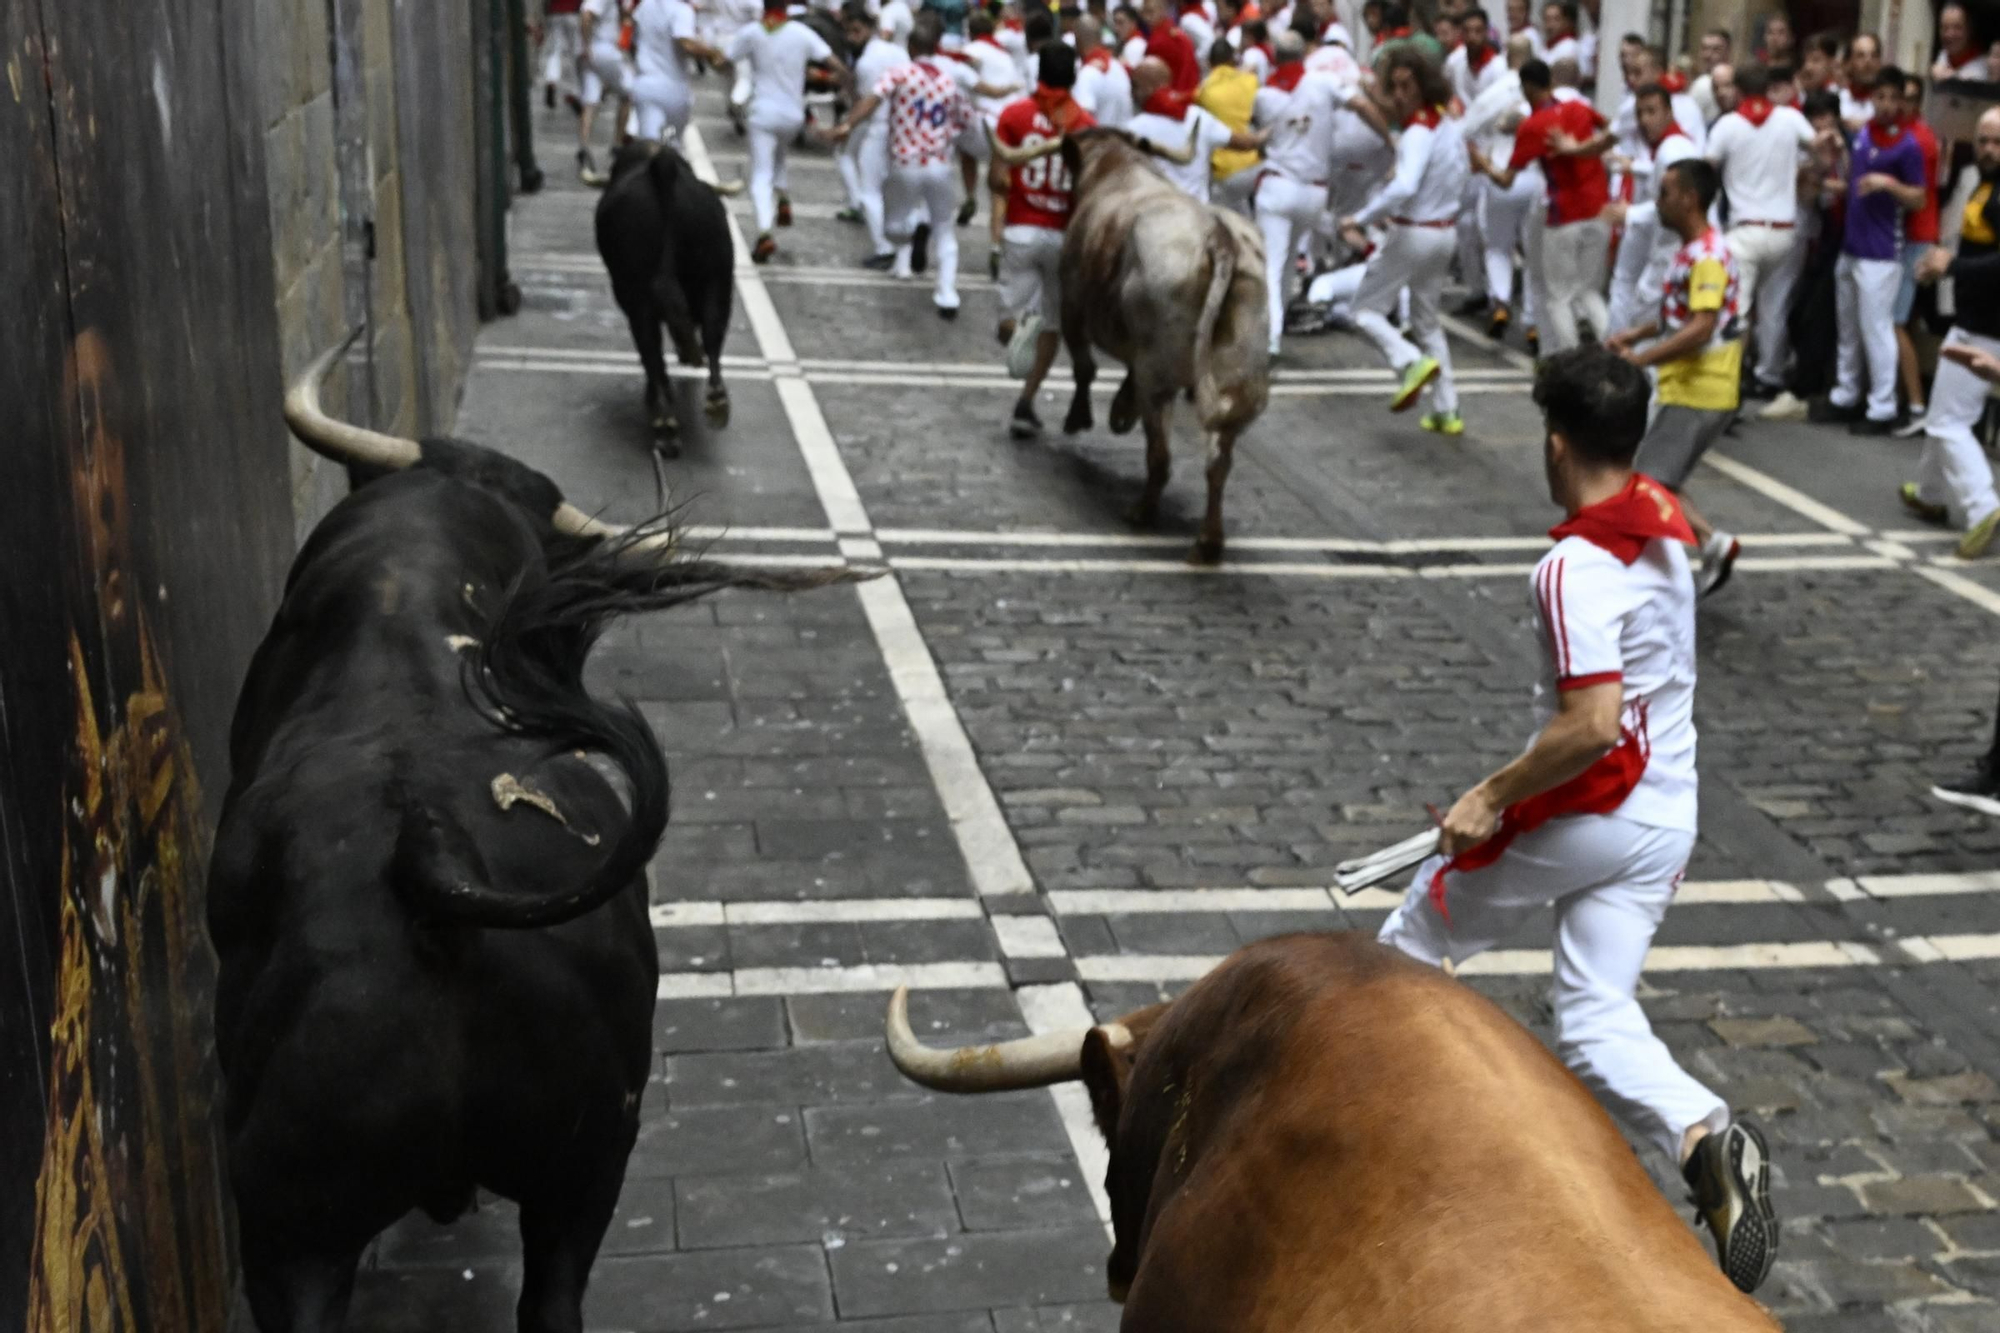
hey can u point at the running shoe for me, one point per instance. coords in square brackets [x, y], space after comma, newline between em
[784, 211]
[1917, 424]
[1024, 424]
[1421, 372]
[1471, 305]
[1729, 1176]
[967, 209]
[766, 247]
[1974, 543]
[1533, 338]
[1787, 406]
[879, 263]
[1978, 790]
[848, 214]
[1444, 423]
[1718, 562]
[1921, 507]
[1496, 323]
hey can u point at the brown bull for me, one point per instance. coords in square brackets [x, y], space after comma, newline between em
[1173, 288]
[1322, 1135]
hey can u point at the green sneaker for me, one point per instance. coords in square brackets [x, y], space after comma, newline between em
[1917, 505]
[1444, 423]
[1729, 1174]
[1421, 372]
[1974, 543]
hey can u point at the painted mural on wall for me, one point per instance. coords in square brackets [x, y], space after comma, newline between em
[129, 1223]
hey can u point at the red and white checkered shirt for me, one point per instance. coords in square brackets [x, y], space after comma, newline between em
[926, 111]
[1692, 282]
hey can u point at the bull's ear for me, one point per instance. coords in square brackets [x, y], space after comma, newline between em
[1107, 1064]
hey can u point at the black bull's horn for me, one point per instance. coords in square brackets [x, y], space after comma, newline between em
[1027, 1062]
[346, 443]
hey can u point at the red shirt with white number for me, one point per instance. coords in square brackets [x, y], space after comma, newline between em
[926, 111]
[1038, 192]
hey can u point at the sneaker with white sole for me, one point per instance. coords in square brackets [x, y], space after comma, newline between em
[1729, 1174]
[1787, 406]
[1718, 562]
[1416, 379]
[1915, 426]
[1978, 790]
[1978, 537]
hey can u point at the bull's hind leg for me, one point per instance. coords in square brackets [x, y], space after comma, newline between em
[296, 1293]
[1125, 407]
[714, 328]
[644, 320]
[561, 1228]
[1208, 546]
[1083, 365]
[1159, 463]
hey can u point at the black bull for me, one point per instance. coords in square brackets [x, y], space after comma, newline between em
[437, 972]
[664, 237]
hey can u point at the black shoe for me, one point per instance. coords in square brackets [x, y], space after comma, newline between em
[1824, 411]
[1024, 425]
[1472, 305]
[879, 263]
[1729, 1174]
[966, 210]
[1978, 790]
[549, 96]
[993, 265]
[947, 313]
[1870, 426]
[920, 248]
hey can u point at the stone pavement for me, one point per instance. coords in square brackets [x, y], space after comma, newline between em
[1048, 770]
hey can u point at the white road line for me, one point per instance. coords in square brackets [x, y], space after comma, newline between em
[1795, 500]
[1129, 902]
[1977, 593]
[1344, 545]
[670, 916]
[1160, 968]
[952, 564]
[715, 532]
[1061, 1008]
[1028, 937]
[861, 977]
[1917, 886]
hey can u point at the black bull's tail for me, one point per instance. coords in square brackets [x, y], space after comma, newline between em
[528, 679]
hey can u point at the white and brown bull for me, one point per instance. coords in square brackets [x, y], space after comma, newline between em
[1323, 1136]
[1174, 288]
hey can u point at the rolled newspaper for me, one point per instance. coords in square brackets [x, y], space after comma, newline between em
[1366, 871]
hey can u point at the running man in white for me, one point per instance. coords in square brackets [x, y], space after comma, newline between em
[663, 43]
[1420, 207]
[1598, 816]
[1504, 211]
[601, 71]
[864, 158]
[1647, 247]
[1171, 118]
[926, 113]
[776, 51]
[562, 46]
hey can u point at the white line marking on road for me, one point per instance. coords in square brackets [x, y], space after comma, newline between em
[1061, 1008]
[672, 916]
[709, 532]
[1343, 545]
[1977, 593]
[1917, 886]
[1129, 902]
[1162, 968]
[869, 977]
[954, 564]
[1028, 937]
[1795, 500]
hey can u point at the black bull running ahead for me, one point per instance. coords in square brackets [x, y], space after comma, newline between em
[437, 971]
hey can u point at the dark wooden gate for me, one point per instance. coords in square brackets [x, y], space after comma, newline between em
[144, 523]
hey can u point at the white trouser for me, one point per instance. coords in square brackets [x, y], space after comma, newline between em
[1574, 257]
[562, 43]
[1865, 296]
[919, 194]
[1233, 191]
[767, 170]
[1503, 223]
[1644, 256]
[1336, 290]
[864, 166]
[603, 72]
[662, 106]
[1611, 881]
[1417, 259]
[1768, 263]
[1471, 245]
[1286, 210]
[1954, 471]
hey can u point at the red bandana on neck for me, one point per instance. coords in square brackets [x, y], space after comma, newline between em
[1392, 34]
[990, 40]
[1098, 58]
[1056, 106]
[1428, 117]
[1674, 81]
[1626, 522]
[1673, 128]
[1756, 110]
[1884, 138]
[1270, 54]
[1169, 103]
[775, 18]
[1479, 59]
[1286, 76]
[1013, 25]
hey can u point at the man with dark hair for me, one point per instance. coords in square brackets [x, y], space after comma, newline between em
[1567, 137]
[1559, 32]
[1885, 182]
[1420, 206]
[1599, 814]
[1820, 69]
[1699, 352]
[1712, 54]
[1648, 245]
[1864, 66]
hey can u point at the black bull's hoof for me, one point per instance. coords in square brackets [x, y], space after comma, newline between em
[717, 407]
[1124, 408]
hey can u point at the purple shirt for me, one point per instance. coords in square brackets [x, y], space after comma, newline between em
[1875, 221]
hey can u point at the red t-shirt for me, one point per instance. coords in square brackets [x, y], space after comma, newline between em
[1578, 186]
[1038, 192]
[1174, 47]
[1922, 225]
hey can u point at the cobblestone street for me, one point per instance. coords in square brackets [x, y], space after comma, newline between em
[1045, 769]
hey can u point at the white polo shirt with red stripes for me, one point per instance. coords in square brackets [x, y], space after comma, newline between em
[1603, 620]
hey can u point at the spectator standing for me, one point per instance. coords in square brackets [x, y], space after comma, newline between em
[1559, 32]
[1712, 53]
[1780, 45]
[1960, 56]
[1813, 323]
[1885, 181]
[1864, 64]
[1103, 83]
[1920, 234]
[1955, 482]
[1819, 69]
[1503, 212]
[1649, 244]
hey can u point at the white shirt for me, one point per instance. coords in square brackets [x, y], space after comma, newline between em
[662, 24]
[1651, 162]
[1566, 49]
[1302, 121]
[604, 32]
[1105, 93]
[996, 69]
[1132, 52]
[1201, 32]
[1467, 84]
[1604, 620]
[1760, 164]
[1431, 171]
[1337, 63]
[894, 21]
[1485, 112]
[1702, 90]
[1854, 112]
[1632, 142]
[876, 59]
[777, 61]
[1254, 60]
[1209, 134]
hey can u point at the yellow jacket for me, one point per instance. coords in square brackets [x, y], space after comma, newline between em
[1228, 94]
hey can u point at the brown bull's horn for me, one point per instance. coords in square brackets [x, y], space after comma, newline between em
[1028, 1062]
[1181, 156]
[1015, 157]
[345, 442]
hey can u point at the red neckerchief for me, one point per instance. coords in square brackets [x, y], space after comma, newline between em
[1623, 524]
[990, 40]
[1882, 138]
[1286, 76]
[1098, 58]
[1013, 25]
[1756, 110]
[1270, 54]
[1056, 105]
[1971, 54]
[1248, 14]
[1865, 96]
[1428, 117]
[1479, 61]
[1194, 7]
[1168, 102]
[1673, 128]
[1392, 35]
[1674, 81]
[775, 19]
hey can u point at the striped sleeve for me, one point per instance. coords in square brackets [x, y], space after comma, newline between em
[1581, 619]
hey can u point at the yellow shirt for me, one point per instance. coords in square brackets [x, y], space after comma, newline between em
[1228, 94]
[1977, 228]
[1702, 278]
